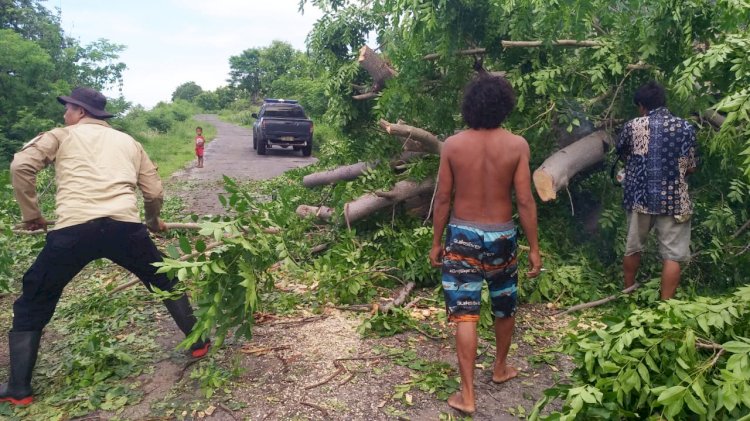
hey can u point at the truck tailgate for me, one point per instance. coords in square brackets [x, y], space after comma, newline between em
[277, 128]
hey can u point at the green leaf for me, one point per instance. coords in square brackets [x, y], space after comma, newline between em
[173, 252]
[185, 245]
[670, 395]
[694, 404]
[643, 371]
[737, 347]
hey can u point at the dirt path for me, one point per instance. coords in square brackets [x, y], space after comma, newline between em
[230, 154]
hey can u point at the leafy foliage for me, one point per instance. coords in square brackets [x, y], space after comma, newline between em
[683, 358]
[225, 282]
[188, 91]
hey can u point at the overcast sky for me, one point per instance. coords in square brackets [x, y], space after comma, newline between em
[170, 42]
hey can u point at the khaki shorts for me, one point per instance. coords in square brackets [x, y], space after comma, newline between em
[674, 237]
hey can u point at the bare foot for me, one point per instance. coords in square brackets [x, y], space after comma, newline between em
[504, 375]
[456, 401]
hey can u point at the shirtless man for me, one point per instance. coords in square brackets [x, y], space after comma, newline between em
[479, 169]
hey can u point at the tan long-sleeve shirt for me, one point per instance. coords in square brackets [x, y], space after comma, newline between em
[97, 170]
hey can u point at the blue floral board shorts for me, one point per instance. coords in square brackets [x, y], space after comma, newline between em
[474, 253]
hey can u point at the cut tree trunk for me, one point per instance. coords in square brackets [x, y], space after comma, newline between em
[379, 69]
[430, 143]
[557, 170]
[713, 117]
[371, 202]
[323, 213]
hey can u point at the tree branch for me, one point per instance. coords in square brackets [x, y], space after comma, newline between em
[431, 142]
[597, 303]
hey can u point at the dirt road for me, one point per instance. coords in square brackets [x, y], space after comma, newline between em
[231, 153]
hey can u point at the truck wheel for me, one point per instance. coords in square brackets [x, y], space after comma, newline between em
[255, 143]
[261, 146]
[307, 149]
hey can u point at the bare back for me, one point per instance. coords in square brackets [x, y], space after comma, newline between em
[485, 166]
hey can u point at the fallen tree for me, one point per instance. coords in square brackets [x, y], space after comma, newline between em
[557, 170]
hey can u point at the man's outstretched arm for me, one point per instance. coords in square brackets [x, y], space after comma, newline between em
[527, 210]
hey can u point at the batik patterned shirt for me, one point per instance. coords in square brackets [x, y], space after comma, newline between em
[658, 150]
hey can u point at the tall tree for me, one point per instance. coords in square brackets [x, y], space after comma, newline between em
[244, 72]
[38, 63]
[187, 91]
[255, 70]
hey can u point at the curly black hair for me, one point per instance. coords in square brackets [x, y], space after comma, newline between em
[650, 96]
[487, 102]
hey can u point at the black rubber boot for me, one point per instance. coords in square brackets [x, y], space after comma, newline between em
[182, 314]
[24, 347]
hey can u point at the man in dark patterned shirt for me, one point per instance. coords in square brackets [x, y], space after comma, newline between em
[659, 150]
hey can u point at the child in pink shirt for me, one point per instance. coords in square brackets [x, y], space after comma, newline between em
[200, 142]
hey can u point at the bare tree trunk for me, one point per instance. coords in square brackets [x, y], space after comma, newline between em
[347, 172]
[350, 172]
[558, 43]
[557, 170]
[430, 142]
[372, 202]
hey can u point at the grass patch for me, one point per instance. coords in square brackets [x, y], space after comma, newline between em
[172, 151]
[167, 133]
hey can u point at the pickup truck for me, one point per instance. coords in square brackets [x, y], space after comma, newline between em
[282, 122]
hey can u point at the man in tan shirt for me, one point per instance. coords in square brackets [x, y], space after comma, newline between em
[97, 171]
[480, 169]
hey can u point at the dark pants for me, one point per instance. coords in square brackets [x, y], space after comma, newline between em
[68, 250]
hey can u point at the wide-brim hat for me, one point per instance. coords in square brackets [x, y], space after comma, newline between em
[89, 99]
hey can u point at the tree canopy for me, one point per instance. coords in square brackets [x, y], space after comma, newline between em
[39, 62]
[188, 91]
